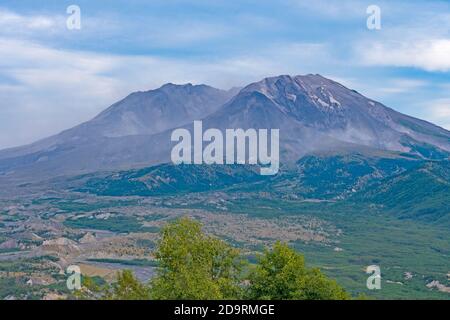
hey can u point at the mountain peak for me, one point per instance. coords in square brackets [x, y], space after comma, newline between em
[185, 86]
[300, 81]
[312, 112]
[312, 88]
[319, 103]
[171, 85]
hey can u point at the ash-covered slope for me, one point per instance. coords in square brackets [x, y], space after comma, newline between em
[140, 113]
[318, 114]
[154, 111]
[314, 115]
[119, 136]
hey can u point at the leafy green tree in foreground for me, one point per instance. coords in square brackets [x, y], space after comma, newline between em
[127, 287]
[194, 265]
[281, 275]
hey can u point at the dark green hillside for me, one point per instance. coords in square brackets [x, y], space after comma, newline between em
[170, 179]
[422, 193]
[311, 177]
[338, 176]
[408, 188]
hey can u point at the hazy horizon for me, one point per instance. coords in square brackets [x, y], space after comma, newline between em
[53, 78]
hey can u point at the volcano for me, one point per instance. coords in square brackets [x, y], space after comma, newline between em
[314, 115]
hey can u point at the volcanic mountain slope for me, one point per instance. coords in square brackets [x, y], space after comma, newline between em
[157, 110]
[118, 136]
[318, 114]
[314, 115]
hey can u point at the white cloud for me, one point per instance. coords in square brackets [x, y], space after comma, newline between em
[337, 10]
[13, 22]
[45, 90]
[431, 55]
[397, 86]
[439, 111]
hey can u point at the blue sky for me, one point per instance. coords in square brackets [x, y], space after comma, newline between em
[52, 78]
